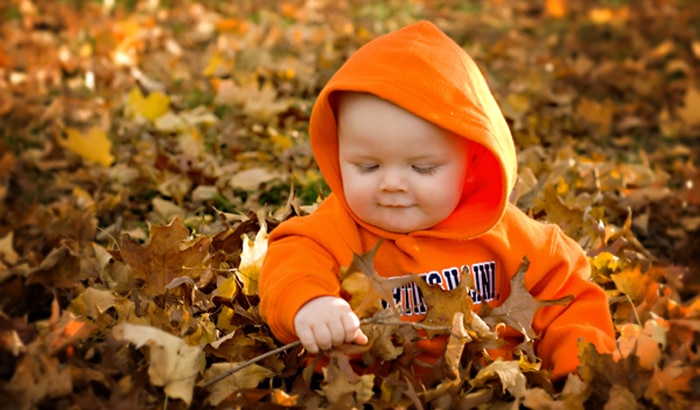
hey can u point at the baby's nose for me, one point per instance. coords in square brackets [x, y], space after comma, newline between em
[392, 180]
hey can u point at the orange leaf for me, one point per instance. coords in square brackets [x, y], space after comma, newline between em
[556, 8]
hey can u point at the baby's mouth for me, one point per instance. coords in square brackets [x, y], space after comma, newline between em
[394, 206]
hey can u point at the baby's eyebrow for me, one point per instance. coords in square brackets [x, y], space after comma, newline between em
[428, 157]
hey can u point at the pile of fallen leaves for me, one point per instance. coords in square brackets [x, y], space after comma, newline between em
[147, 149]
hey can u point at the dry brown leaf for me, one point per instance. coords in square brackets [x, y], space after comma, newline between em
[247, 378]
[378, 286]
[518, 310]
[443, 305]
[509, 374]
[342, 386]
[165, 257]
[172, 363]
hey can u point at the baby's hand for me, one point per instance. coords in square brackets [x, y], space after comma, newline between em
[325, 322]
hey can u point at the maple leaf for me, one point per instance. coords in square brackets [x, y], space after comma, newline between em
[646, 342]
[632, 282]
[94, 146]
[163, 259]
[520, 307]
[602, 372]
[151, 107]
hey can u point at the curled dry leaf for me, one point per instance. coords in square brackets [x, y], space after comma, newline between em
[172, 363]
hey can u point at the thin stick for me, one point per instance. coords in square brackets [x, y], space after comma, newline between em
[250, 362]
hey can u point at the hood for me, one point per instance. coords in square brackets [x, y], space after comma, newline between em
[422, 70]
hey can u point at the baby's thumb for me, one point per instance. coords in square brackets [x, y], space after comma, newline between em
[360, 337]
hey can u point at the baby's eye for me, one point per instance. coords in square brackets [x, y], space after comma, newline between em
[425, 169]
[367, 167]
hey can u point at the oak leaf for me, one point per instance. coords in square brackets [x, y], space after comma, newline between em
[377, 287]
[443, 305]
[520, 307]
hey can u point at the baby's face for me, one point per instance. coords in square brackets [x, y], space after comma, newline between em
[400, 172]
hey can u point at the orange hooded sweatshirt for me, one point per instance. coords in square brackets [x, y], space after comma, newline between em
[422, 70]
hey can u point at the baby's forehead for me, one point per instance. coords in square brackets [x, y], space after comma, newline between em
[344, 99]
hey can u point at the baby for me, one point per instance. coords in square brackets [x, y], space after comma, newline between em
[417, 154]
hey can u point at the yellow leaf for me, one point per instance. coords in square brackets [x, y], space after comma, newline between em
[228, 288]
[632, 282]
[605, 262]
[251, 260]
[218, 65]
[95, 146]
[151, 107]
[203, 334]
[225, 318]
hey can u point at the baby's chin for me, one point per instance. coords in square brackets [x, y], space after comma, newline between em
[402, 227]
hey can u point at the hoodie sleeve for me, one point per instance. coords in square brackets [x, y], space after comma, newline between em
[303, 259]
[565, 271]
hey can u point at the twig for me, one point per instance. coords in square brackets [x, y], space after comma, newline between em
[381, 321]
[634, 309]
[250, 362]
[373, 320]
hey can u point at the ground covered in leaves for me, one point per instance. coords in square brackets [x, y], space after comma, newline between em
[148, 147]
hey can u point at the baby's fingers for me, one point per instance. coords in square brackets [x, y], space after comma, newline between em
[308, 340]
[323, 336]
[351, 326]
